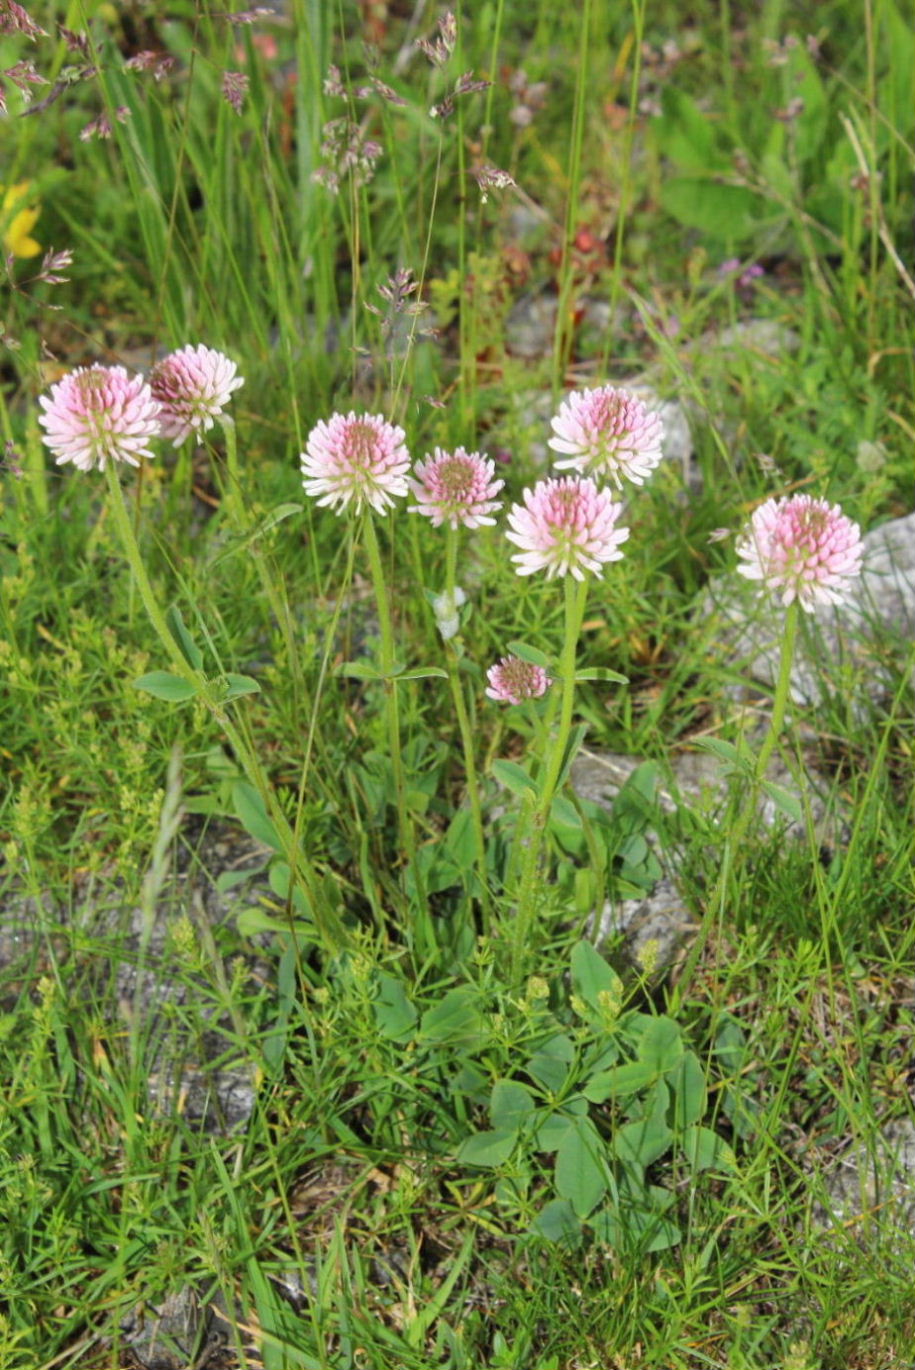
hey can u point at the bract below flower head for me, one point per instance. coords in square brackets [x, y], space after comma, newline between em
[193, 387]
[565, 527]
[607, 433]
[355, 459]
[98, 414]
[512, 680]
[802, 549]
[456, 488]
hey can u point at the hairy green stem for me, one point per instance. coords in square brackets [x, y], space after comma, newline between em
[575, 595]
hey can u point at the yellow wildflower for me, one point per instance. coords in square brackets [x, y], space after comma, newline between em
[18, 223]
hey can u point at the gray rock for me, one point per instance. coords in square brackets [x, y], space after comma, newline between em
[654, 929]
[873, 1184]
[837, 647]
[170, 1334]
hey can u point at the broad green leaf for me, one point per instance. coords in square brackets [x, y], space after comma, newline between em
[528, 653]
[705, 1150]
[252, 814]
[238, 685]
[661, 1045]
[783, 800]
[550, 1065]
[592, 977]
[487, 1148]
[394, 1013]
[642, 1142]
[551, 1130]
[738, 759]
[180, 632]
[728, 213]
[621, 1082]
[581, 1168]
[556, 1222]
[456, 1018]
[511, 1105]
[513, 777]
[254, 921]
[685, 134]
[687, 1084]
[280, 880]
[563, 814]
[163, 685]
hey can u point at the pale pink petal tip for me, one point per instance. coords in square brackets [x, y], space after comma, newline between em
[565, 527]
[456, 488]
[355, 459]
[512, 680]
[193, 387]
[607, 433]
[98, 414]
[802, 549]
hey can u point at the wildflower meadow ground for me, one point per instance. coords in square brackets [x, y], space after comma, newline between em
[457, 535]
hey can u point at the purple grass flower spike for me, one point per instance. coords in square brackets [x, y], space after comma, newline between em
[193, 387]
[565, 527]
[512, 680]
[802, 548]
[607, 433]
[98, 414]
[356, 458]
[456, 488]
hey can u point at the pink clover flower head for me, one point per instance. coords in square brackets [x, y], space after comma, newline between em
[512, 680]
[802, 549]
[98, 414]
[607, 433]
[456, 488]
[355, 458]
[193, 387]
[565, 527]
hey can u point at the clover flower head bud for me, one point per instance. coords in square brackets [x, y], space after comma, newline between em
[512, 680]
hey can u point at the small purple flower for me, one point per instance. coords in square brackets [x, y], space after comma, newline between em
[193, 387]
[456, 488]
[512, 680]
[802, 548]
[607, 433]
[565, 527]
[357, 458]
[98, 414]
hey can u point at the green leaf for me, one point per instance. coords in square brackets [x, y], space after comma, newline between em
[642, 1142]
[687, 1083]
[556, 1222]
[513, 777]
[592, 977]
[783, 800]
[737, 758]
[163, 685]
[581, 1169]
[620, 1082]
[684, 134]
[661, 1046]
[279, 877]
[185, 643]
[487, 1148]
[727, 213]
[601, 673]
[254, 921]
[394, 1013]
[252, 814]
[564, 814]
[528, 653]
[510, 1105]
[705, 1150]
[238, 685]
[422, 673]
[551, 1130]
[263, 526]
[358, 670]
[456, 1018]
[550, 1065]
